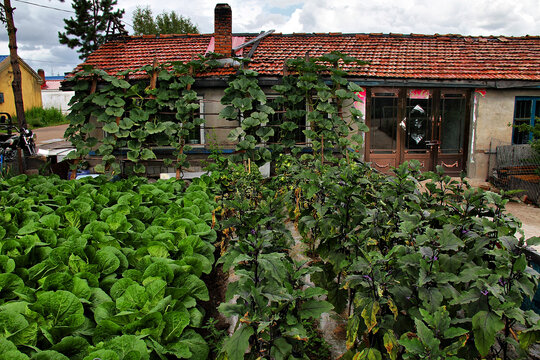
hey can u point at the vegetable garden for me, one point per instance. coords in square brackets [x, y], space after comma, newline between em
[419, 264]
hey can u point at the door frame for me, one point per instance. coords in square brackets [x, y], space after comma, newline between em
[453, 164]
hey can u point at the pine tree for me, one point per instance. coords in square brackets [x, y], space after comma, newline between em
[165, 23]
[93, 18]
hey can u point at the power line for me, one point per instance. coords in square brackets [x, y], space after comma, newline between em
[45, 61]
[127, 23]
[53, 8]
[45, 6]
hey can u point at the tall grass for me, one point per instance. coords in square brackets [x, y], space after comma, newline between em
[38, 117]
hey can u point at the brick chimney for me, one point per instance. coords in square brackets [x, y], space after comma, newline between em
[223, 30]
[41, 74]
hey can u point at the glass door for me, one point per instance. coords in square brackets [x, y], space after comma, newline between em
[383, 132]
[452, 131]
[417, 127]
[428, 125]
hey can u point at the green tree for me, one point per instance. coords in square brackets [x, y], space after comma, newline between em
[88, 29]
[165, 23]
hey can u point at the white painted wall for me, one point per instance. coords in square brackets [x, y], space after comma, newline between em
[56, 99]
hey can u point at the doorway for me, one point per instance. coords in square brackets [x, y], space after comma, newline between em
[428, 125]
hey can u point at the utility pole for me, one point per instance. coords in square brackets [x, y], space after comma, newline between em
[14, 59]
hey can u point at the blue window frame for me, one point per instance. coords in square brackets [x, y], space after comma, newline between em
[526, 110]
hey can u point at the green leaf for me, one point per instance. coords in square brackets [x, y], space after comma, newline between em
[265, 133]
[314, 308]
[235, 134]
[133, 156]
[196, 287]
[243, 104]
[426, 335]
[229, 112]
[72, 347]
[15, 327]
[49, 355]
[6, 345]
[126, 123]
[250, 122]
[128, 347]
[486, 325]
[454, 332]
[133, 298]
[238, 343]
[280, 349]
[13, 355]
[391, 344]
[111, 128]
[106, 259]
[175, 322]
[533, 241]
[51, 221]
[196, 344]
[114, 111]
[528, 338]
[369, 314]
[368, 354]
[288, 126]
[117, 102]
[102, 354]
[411, 343]
[152, 128]
[147, 154]
[29, 228]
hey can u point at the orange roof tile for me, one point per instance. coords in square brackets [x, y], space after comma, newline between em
[444, 57]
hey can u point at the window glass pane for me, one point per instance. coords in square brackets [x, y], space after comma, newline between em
[419, 124]
[295, 113]
[452, 124]
[383, 124]
[523, 109]
[522, 115]
[520, 137]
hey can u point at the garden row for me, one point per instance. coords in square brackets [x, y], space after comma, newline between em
[98, 269]
[421, 265]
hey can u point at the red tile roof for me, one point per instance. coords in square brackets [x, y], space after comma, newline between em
[444, 57]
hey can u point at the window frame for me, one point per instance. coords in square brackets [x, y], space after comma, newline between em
[202, 137]
[535, 102]
[306, 126]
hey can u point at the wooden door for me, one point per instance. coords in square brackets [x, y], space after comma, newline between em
[418, 128]
[382, 140]
[428, 125]
[452, 131]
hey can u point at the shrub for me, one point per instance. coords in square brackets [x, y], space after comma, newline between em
[38, 117]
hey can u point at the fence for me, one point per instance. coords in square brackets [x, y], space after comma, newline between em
[515, 167]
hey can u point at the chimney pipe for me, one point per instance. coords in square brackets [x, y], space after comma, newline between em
[223, 30]
[41, 74]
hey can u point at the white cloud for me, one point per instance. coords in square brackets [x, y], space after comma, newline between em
[38, 27]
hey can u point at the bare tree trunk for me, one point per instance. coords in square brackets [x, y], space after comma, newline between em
[17, 77]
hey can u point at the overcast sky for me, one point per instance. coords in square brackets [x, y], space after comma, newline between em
[38, 27]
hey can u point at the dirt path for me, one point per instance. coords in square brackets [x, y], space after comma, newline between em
[529, 215]
[49, 133]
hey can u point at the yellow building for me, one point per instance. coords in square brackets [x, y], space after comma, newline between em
[31, 86]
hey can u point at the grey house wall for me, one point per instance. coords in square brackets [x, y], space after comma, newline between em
[491, 123]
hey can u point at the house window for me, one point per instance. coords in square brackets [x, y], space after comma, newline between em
[196, 135]
[526, 110]
[296, 114]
